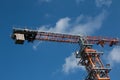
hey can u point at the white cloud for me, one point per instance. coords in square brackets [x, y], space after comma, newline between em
[114, 55]
[82, 25]
[100, 3]
[61, 26]
[35, 45]
[70, 64]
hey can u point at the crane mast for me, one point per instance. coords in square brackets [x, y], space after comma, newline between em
[89, 57]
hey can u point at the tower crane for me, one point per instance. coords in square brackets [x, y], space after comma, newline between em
[88, 57]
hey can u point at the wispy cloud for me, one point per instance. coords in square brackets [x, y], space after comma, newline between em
[98, 3]
[78, 1]
[114, 56]
[47, 15]
[71, 64]
[35, 45]
[61, 26]
[81, 25]
[44, 1]
[101, 3]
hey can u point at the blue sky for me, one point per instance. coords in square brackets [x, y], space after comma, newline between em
[49, 60]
